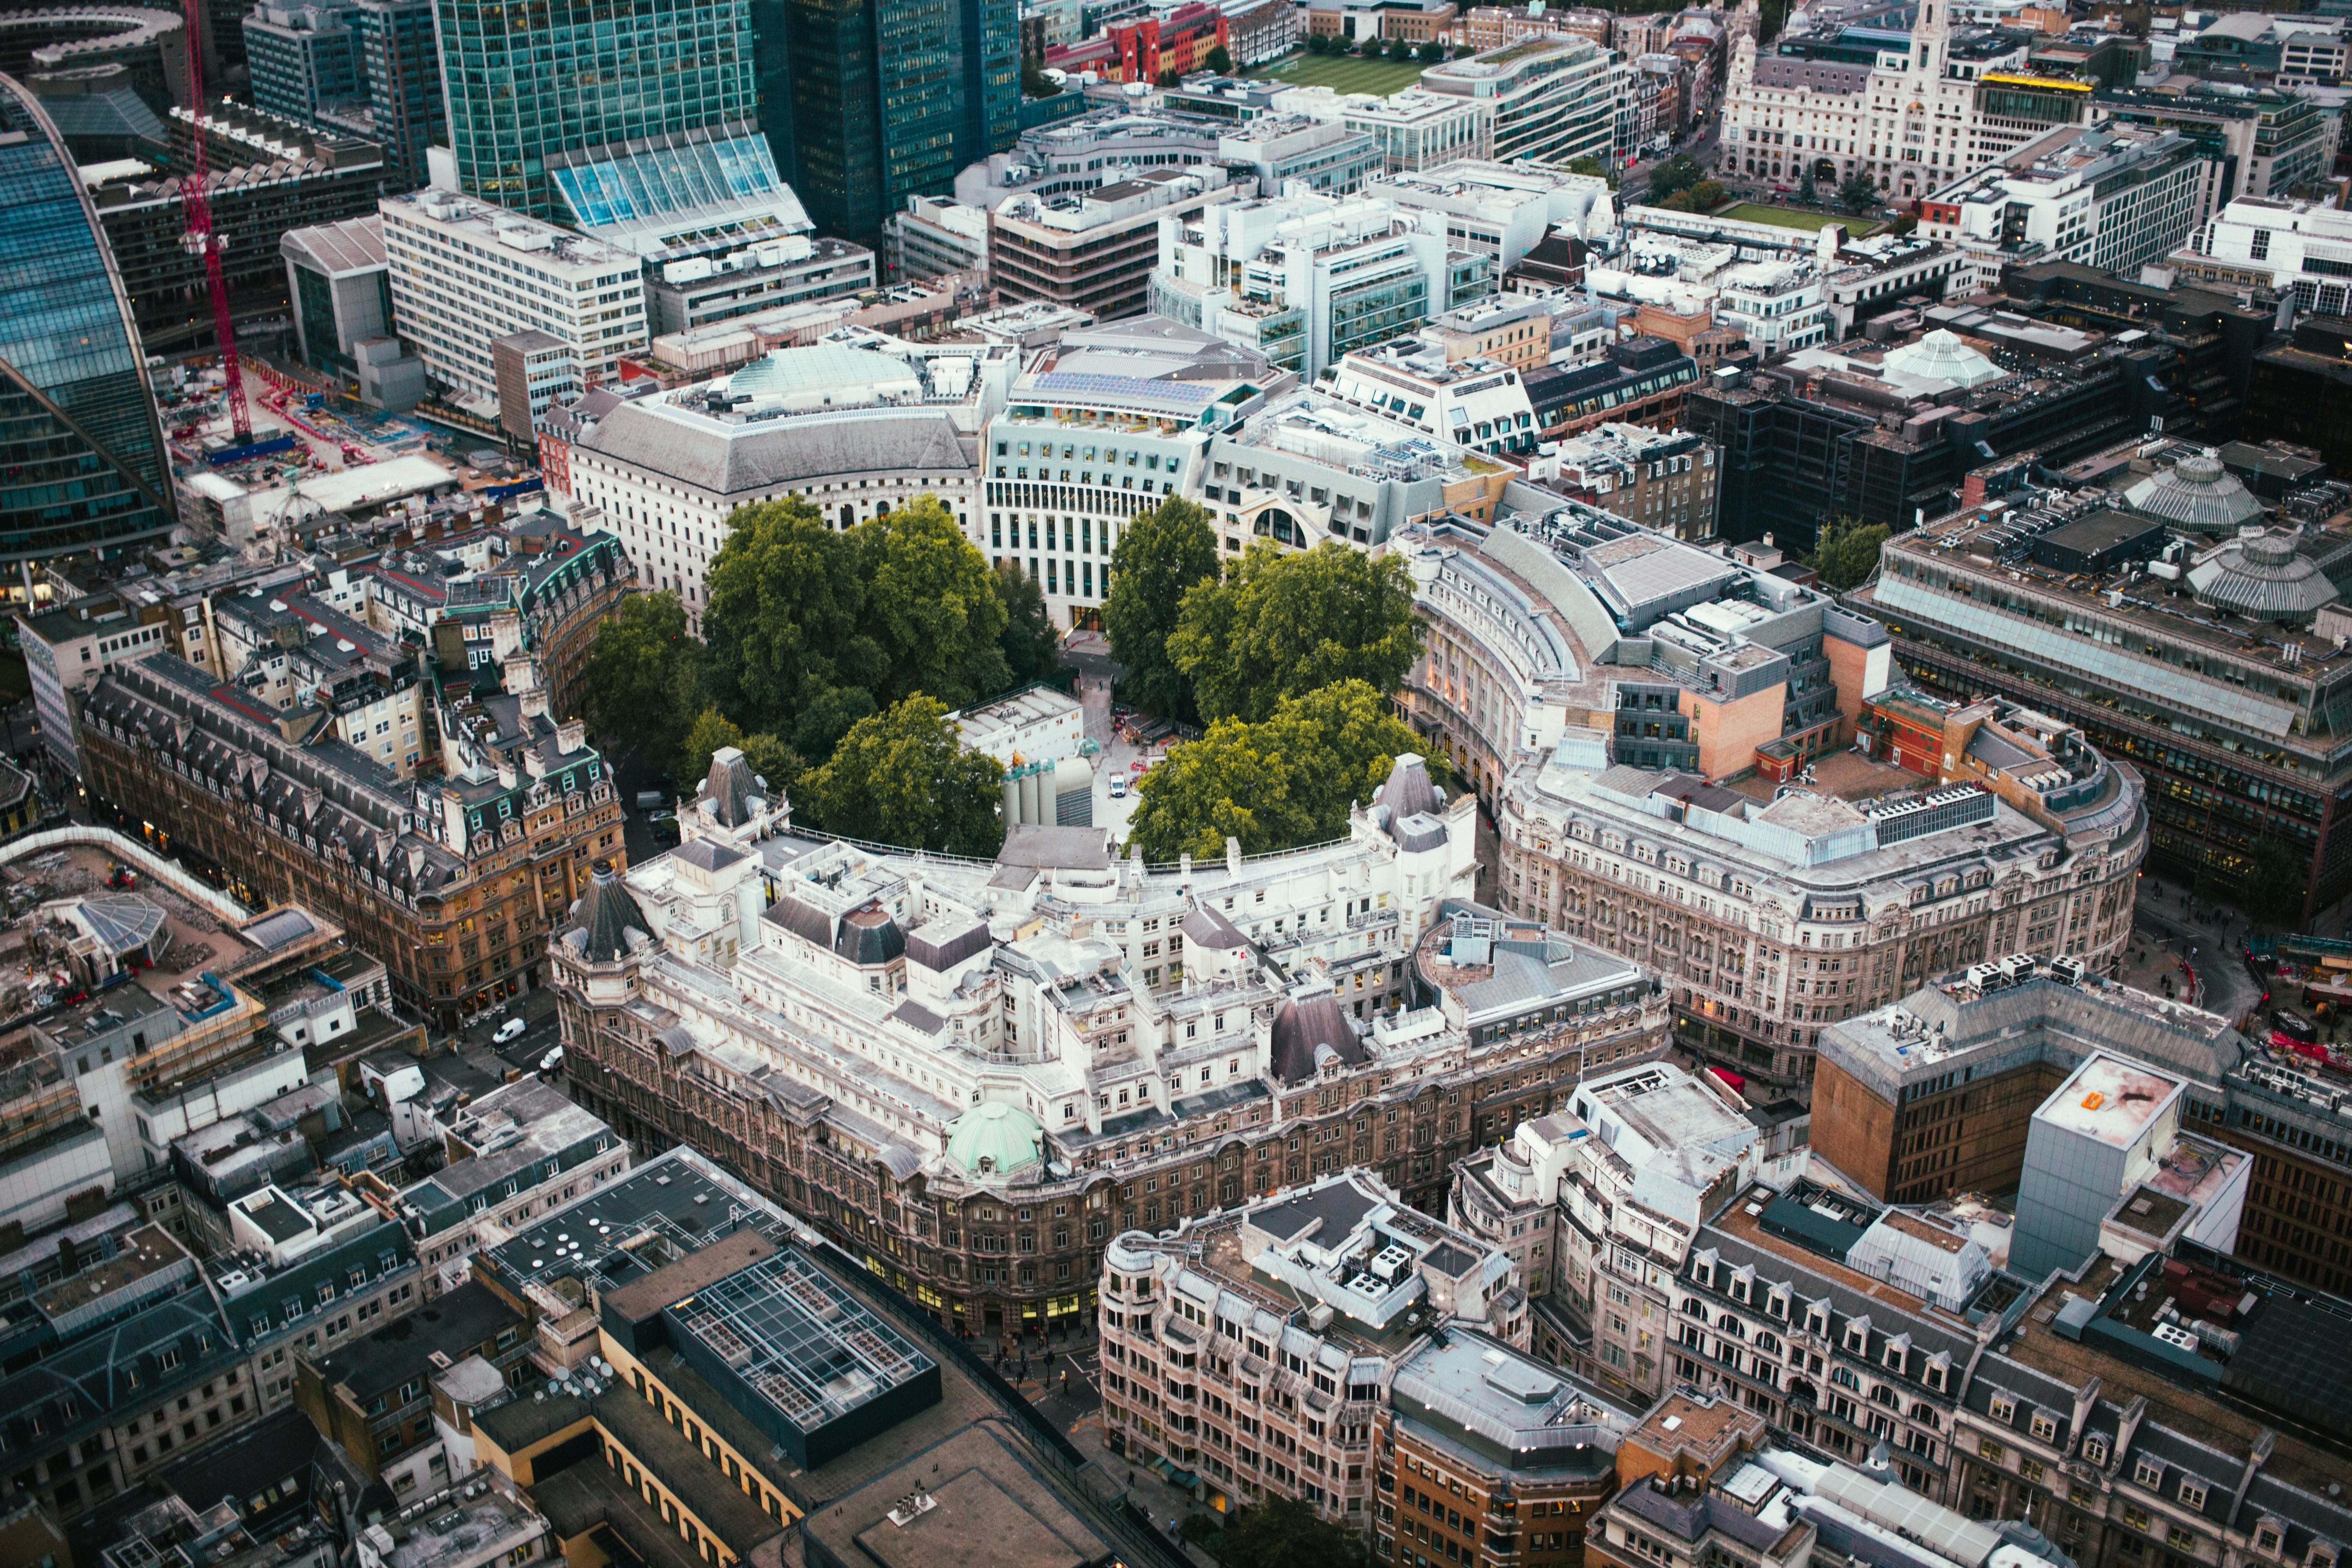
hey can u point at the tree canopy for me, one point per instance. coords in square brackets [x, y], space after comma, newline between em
[785, 618]
[1857, 193]
[1280, 623]
[1160, 553]
[932, 604]
[644, 679]
[1679, 173]
[902, 776]
[1848, 553]
[1031, 644]
[1284, 781]
[1284, 1532]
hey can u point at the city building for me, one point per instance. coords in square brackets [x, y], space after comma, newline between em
[1305, 279]
[1741, 670]
[2147, 192]
[1390, 1289]
[873, 1018]
[2301, 388]
[1640, 381]
[1659, 480]
[1556, 98]
[1169, 42]
[2285, 247]
[702, 289]
[399, 57]
[1137, 404]
[865, 116]
[1499, 210]
[268, 176]
[339, 277]
[1353, 21]
[859, 426]
[1260, 34]
[459, 1526]
[303, 59]
[464, 273]
[1413, 129]
[933, 237]
[2237, 767]
[94, 479]
[2268, 143]
[1480, 404]
[1095, 250]
[375, 1396]
[417, 871]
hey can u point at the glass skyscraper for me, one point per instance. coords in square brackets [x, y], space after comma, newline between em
[867, 103]
[532, 80]
[82, 452]
[402, 70]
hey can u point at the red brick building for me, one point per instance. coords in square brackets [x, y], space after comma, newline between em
[1149, 47]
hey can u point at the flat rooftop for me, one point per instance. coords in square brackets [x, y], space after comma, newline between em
[2108, 1098]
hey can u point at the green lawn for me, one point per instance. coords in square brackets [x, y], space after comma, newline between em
[1796, 217]
[1343, 73]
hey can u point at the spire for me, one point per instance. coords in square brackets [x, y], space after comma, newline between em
[606, 915]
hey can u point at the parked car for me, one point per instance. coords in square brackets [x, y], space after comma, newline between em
[511, 1030]
[1117, 789]
[651, 800]
[551, 1060]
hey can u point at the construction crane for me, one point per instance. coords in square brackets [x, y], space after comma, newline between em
[200, 238]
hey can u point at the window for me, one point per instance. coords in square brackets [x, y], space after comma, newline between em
[2045, 1426]
[2149, 1471]
[2193, 1495]
[2004, 1409]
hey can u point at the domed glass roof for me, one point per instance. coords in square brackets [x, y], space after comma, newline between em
[994, 1138]
[2263, 577]
[2196, 492]
[1942, 356]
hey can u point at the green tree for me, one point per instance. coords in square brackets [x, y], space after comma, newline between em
[1031, 644]
[902, 776]
[775, 760]
[1433, 52]
[1160, 555]
[1034, 82]
[1219, 59]
[642, 661]
[1679, 202]
[1679, 173]
[1371, 48]
[931, 606]
[1276, 784]
[1807, 191]
[706, 735]
[1281, 624]
[1706, 195]
[1318, 44]
[1904, 223]
[1847, 553]
[1399, 48]
[827, 716]
[1284, 1532]
[1594, 166]
[784, 620]
[1857, 193]
[2271, 891]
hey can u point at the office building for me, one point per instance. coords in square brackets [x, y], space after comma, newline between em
[1413, 130]
[878, 1012]
[1094, 251]
[2238, 766]
[933, 238]
[2147, 195]
[1501, 211]
[702, 289]
[858, 427]
[2285, 246]
[94, 480]
[464, 275]
[1305, 279]
[2267, 141]
[339, 277]
[1774, 688]
[1556, 98]
[1659, 480]
[1480, 404]
[407, 112]
[2301, 388]
[1642, 381]
[376, 1397]
[1114, 420]
[303, 60]
[1411, 1320]
[875, 111]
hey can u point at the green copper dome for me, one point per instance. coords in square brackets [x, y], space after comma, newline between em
[994, 1138]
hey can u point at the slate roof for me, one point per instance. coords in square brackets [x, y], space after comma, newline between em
[726, 459]
[731, 787]
[604, 916]
[1302, 1026]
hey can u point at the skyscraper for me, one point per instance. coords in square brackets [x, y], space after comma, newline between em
[869, 103]
[366, 68]
[402, 70]
[82, 452]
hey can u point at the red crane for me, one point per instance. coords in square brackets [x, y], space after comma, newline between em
[200, 239]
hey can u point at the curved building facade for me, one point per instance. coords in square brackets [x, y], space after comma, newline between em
[1646, 721]
[82, 463]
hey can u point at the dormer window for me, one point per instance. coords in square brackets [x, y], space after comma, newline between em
[2094, 1448]
[2149, 1471]
[1897, 1354]
[2268, 1540]
[1778, 1304]
[2044, 1425]
[1743, 1285]
[1817, 1319]
[1857, 1336]
[2003, 1409]
[1938, 1374]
